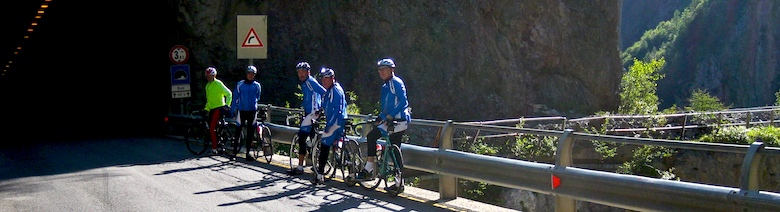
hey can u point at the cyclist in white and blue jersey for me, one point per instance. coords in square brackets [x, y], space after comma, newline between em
[335, 109]
[312, 100]
[394, 106]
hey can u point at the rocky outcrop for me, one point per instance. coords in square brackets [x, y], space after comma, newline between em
[465, 60]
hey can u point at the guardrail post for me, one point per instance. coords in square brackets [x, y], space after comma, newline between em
[563, 159]
[448, 185]
[772, 120]
[750, 168]
[747, 119]
[685, 122]
[268, 113]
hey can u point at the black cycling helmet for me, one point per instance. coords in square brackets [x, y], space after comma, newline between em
[386, 62]
[251, 69]
[303, 65]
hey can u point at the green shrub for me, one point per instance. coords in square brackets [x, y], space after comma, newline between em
[533, 146]
[770, 135]
[777, 98]
[641, 162]
[728, 135]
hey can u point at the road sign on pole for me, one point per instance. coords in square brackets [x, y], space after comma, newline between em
[180, 81]
[252, 35]
[179, 54]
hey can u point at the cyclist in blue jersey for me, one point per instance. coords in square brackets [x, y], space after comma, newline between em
[335, 109]
[245, 98]
[312, 100]
[393, 106]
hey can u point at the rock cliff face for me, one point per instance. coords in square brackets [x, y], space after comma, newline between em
[463, 60]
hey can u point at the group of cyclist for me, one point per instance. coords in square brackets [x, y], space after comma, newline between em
[326, 96]
[241, 102]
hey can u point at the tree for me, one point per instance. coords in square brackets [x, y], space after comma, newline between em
[638, 87]
[702, 101]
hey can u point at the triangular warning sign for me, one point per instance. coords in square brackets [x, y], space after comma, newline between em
[252, 40]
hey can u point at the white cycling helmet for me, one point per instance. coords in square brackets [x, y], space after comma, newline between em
[251, 69]
[386, 62]
[327, 72]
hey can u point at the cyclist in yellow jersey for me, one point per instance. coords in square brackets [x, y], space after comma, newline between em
[218, 99]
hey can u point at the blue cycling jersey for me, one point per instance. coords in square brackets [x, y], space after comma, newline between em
[335, 106]
[246, 95]
[312, 95]
[393, 100]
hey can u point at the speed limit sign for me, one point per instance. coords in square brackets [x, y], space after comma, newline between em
[179, 54]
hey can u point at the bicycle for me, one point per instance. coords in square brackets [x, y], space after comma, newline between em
[262, 145]
[198, 140]
[388, 159]
[310, 141]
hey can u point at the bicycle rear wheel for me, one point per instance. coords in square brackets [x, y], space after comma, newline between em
[264, 146]
[393, 168]
[197, 139]
[352, 161]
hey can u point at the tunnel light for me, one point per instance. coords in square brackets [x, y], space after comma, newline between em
[7, 66]
[44, 6]
[40, 11]
[35, 23]
[26, 36]
[16, 52]
[30, 30]
[19, 47]
[37, 16]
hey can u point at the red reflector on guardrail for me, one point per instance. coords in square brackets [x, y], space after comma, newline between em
[166, 119]
[556, 181]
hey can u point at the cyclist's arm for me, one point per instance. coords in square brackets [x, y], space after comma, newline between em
[400, 95]
[259, 91]
[226, 93]
[237, 92]
[316, 87]
[337, 108]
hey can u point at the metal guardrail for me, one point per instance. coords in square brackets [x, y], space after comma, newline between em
[612, 189]
[607, 188]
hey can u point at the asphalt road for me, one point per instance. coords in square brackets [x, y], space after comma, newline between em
[159, 174]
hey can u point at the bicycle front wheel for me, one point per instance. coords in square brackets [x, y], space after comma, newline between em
[232, 144]
[335, 160]
[315, 160]
[196, 138]
[393, 168]
[378, 174]
[294, 148]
